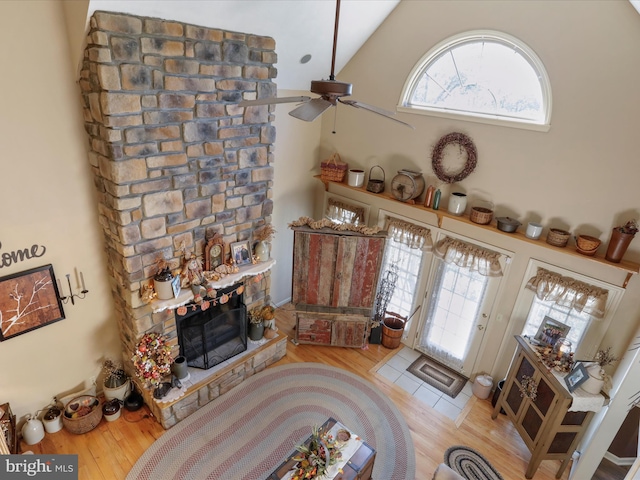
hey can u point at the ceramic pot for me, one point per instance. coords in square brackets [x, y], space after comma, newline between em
[256, 331]
[179, 367]
[457, 203]
[120, 392]
[618, 245]
[111, 410]
[52, 420]
[595, 382]
[261, 251]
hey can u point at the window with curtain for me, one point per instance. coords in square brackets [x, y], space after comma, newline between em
[342, 212]
[407, 244]
[585, 304]
[570, 301]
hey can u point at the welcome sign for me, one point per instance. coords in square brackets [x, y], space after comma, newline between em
[39, 467]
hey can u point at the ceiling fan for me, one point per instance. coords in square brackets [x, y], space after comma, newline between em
[331, 92]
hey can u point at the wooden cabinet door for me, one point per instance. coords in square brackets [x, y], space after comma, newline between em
[349, 331]
[338, 271]
[314, 329]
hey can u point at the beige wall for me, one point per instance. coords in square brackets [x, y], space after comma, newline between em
[47, 198]
[581, 175]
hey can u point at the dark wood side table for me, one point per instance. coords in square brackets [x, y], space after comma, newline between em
[358, 467]
[548, 428]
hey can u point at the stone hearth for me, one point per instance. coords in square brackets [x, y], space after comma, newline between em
[175, 159]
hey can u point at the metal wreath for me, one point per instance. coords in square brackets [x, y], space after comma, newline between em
[464, 142]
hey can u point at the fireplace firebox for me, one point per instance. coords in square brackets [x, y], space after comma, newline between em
[211, 336]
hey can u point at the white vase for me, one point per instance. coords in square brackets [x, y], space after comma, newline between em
[32, 431]
[595, 382]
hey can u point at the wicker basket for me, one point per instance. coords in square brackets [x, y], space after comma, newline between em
[481, 215]
[333, 169]
[87, 422]
[557, 237]
[587, 243]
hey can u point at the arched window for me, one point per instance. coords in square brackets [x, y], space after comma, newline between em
[481, 76]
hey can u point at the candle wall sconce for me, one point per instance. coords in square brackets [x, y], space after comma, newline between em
[65, 299]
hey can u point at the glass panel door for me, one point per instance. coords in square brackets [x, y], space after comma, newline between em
[459, 307]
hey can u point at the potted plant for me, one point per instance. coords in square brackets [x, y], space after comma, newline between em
[115, 383]
[256, 324]
[621, 237]
[597, 375]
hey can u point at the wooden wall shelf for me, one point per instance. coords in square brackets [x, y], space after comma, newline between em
[629, 267]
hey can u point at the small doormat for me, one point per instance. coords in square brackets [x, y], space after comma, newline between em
[470, 464]
[438, 376]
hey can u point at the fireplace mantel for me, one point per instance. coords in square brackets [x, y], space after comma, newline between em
[186, 295]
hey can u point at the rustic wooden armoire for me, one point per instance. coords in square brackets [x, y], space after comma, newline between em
[335, 276]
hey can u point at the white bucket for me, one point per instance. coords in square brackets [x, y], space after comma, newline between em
[481, 387]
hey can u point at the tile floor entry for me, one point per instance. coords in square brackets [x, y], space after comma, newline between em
[395, 370]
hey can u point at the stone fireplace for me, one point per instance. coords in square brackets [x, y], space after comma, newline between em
[175, 159]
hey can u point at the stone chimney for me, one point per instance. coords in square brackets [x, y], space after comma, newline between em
[174, 157]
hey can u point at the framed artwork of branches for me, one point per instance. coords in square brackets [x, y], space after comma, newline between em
[28, 300]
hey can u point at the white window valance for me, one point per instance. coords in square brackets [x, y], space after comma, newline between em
[470, 256]
[409, 234]
[569, 292]
[342, 212]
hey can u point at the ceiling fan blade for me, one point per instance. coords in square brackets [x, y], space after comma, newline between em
[311, 110]
[272, 101]
[377, 110]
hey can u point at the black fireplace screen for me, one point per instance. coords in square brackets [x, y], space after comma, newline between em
[209, 337]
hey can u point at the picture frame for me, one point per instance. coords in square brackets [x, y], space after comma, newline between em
[576, 377]
[29, 300]
[175, 286]
[550, 331]
[241, 253]
[213, 253]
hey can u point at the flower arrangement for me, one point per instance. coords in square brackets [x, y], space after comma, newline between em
[261, 314]
[315, 457]
[605, 357]
[152, 359]
[264, 234]
[631, 227]
[114, 375]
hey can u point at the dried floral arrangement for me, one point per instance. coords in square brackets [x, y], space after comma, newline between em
[340, 227]
[264, 234]
[464, 142]
[605, 357]
[551, 359]
[113, 373]
[315, 458]
[152, 359]
[631, 227]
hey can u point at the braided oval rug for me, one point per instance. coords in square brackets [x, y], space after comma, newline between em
[249, 431]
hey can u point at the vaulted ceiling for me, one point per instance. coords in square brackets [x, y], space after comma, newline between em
[299, 27]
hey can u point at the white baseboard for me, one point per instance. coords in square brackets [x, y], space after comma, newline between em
[620, 461]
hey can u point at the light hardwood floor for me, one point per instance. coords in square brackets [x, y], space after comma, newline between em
[109, 451]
